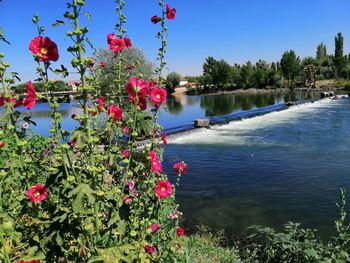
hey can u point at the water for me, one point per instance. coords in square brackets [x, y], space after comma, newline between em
[268, 170]
[179, 111]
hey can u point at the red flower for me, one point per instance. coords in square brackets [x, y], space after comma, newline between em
[2, 101]
[155, 164]
[31, 97]
[180, 168]
[127, 42]
[155, 19]
[170, 13]
[163, 189]
[103, 64]
[16, 103]
[149, 249]
[2, 144]
[129, 67]
[180, 231]
[158, 95]
[31, 261]
[115, 112]
[165, 142]
[154, 228]
[73, 116]
[125, 153]
[142, 103]
[44, 49]
[101, 103]
[125, 129]
[37, 193]
[115, 44]
[136, 87]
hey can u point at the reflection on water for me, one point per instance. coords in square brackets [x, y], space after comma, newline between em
[222, 104]
[178, 111]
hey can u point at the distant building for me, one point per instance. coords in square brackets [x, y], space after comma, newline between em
[183, 82]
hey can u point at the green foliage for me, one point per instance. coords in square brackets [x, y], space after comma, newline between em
[290, 65]
[133, 59]
[173, 80]
[97, 197]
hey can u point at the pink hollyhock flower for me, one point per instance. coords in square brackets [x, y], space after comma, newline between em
[127, 200]
[101, 103]
[37, 193]
[154, 228]
[127, 42]
[149, 249]
[125, 129]
[2, 101]
[31, 96]
[180, 231]
[163, 189]
[136, 87]
[115, 112]
[125, 153]
[130, 184]
[165, 142]
[158, 95]
[150, 86]
[155, 164]
[180, 168]
[174, 214]
[44, 49]
[142, 103]
[155, 19]
[110, 38]
[16, 103]
[25, 125]
[72, 142]
[170, 13]
[2, 144]
[103, 64]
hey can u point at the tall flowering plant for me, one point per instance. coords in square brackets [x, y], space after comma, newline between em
[87, 195]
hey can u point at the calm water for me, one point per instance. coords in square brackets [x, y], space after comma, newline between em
[283, 166]
[179, 111]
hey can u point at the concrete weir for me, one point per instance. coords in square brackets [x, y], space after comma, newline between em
[200, 124]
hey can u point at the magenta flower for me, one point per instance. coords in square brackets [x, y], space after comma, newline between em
[170, 13]
[37, 193]
[163, 189]
[180, 168]
[154, 228]
[155, 164]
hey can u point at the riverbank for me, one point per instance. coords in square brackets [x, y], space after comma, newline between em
[321, 85]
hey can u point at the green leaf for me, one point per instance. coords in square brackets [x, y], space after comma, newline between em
[58, 23]
[81, 191]
[88, 15]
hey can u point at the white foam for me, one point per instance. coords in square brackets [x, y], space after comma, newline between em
[240, 132]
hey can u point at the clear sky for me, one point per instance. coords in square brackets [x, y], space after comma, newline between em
[235, 30]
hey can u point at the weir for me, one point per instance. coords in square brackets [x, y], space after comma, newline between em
[184, 130]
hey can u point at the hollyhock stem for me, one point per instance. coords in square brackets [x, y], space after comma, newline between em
[82, 70]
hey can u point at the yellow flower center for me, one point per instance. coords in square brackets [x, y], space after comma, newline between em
[158, 96]
[36, 194]
[163, 189]
[43, 51]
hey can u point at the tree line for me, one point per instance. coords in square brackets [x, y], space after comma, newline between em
[288, 71]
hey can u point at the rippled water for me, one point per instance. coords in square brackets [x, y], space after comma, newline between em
[283, 166]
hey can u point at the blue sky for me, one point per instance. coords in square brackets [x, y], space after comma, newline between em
[235, 30]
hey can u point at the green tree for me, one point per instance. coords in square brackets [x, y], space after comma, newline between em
[339, 60]
[321, 53]
[290, 65]
[138, 65]
[173, 80]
